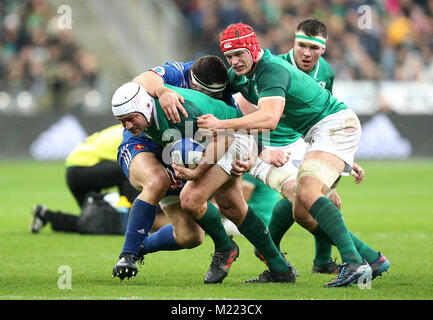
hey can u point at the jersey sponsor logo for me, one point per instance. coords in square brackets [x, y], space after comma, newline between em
[322, 84]
[159, 70]
[227, 45]
[140, 147]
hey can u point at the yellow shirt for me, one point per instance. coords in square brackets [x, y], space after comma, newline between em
[99, 146]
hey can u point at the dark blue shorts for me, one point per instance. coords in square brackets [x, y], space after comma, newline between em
[131, 146]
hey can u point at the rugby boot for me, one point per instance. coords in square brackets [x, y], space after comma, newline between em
[283, 254]
[276, 277]
[351, 273]
[330, 268]
[38, 221]
[221, 263]
[380, 265]
[125, 267]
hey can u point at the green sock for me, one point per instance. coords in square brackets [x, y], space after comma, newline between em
[320, 234]
[331, 221]
[364, 250]
[257, 233]
[211, 223]
[323, 253]
[281, 221]
[323, 247]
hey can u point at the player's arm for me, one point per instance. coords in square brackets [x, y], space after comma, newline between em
[169, 100]
[266, 118]
[274, 157]
[150, 81]
[244, 105]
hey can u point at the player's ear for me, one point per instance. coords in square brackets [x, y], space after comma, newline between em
[323, 50]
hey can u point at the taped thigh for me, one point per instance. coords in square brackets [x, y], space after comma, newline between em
[278, 176]
[320, 170]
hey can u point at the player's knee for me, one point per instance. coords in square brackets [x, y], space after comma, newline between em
[305, 197]
[313, 176]
[156, 184]
[191, 204]
[156, 187]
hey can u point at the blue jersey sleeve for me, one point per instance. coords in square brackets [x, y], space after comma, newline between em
[175, 73]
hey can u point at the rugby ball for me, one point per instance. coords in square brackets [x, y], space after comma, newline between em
[187, 152]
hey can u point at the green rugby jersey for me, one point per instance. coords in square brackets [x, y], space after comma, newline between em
[306, 101]
[322, 72]
[196, 104]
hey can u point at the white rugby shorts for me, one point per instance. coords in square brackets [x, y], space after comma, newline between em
[338, 134]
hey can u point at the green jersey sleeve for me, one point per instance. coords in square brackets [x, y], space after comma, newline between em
[267, 84]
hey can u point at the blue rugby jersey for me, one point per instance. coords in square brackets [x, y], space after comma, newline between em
[177, 75]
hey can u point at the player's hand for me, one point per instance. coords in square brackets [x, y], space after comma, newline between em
[335, 199]
[277, 158]
[184, 173]
[358, 172]
[208, 121]
[240, 166]
[171, 102]
[175, 184]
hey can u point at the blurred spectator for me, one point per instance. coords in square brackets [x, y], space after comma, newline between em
[36, 56]
[395, 44]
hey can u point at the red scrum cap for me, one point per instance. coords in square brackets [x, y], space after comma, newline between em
[240, 36]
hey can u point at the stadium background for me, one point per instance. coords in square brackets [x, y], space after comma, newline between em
[61, 60]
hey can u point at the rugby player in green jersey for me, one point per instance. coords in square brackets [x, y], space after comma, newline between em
[309, 46]
[140, 113]
[288, 100]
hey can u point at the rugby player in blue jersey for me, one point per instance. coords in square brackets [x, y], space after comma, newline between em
[141, 158]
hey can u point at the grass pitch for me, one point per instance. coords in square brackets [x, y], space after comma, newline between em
[391, 211]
